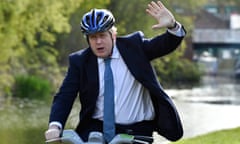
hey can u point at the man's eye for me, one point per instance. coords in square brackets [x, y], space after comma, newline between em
[92, 37]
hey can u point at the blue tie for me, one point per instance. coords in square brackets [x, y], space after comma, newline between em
[109, 116]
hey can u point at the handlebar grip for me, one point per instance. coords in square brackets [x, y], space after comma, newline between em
[144, 138]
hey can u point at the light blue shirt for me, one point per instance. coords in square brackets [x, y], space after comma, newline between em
[132, 100]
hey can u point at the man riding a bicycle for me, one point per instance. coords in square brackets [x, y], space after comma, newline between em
[136, 104]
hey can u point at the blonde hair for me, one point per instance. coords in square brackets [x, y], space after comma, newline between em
[113, 30]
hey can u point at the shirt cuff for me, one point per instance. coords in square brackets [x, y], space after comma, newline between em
[178, 31]
[56, 124]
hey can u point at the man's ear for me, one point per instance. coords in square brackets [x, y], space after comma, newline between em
[113, 30]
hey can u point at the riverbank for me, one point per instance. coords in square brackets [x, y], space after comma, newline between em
[212, 106]
[203, 118]
[230, 136]
[23, 121]
[27, 121]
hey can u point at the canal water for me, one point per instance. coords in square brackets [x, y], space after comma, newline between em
[214, 105]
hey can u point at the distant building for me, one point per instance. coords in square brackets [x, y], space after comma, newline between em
[219, 35]
[235, 21]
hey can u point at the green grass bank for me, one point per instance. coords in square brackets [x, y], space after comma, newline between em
[230, 136]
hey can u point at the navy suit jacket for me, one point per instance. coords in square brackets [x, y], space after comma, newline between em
[137, 52]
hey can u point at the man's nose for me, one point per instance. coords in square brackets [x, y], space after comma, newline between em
[98, 40]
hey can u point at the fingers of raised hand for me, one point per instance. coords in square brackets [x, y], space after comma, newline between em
[154, 8]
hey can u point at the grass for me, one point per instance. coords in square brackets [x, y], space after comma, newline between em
[23, 122]
[231, 136]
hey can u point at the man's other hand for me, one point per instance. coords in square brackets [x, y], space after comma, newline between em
[53, 132]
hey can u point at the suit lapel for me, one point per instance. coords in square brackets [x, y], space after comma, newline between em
[92, 80]
[136, 61]
[125, 52]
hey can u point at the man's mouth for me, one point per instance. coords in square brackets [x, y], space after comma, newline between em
[100, 48]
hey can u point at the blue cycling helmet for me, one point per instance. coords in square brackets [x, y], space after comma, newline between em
[97, 20]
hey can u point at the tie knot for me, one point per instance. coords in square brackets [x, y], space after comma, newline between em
[107, 60]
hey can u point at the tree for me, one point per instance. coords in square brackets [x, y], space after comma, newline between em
[28, 31]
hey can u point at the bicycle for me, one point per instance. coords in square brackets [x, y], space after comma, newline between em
[71, 137]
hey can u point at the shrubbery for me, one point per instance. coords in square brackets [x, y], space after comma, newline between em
[32, 87]
[180, 73]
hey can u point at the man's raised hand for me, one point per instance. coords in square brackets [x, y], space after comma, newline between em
[163, 16]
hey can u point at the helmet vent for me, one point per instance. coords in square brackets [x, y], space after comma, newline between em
[97, 20]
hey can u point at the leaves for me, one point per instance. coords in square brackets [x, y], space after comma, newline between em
[28, 30]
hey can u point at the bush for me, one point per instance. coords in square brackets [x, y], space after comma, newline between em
[180, 73]
[32, 87]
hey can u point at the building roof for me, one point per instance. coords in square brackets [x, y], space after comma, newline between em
[211, 28]
[207, 20]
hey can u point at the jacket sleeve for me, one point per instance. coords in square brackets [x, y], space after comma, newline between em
[64, 98]
[161, 45]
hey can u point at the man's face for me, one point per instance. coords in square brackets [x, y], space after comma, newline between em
[101, 43]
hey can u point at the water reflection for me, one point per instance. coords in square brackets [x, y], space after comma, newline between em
[214, 105]
[215, 90]
[200, 118]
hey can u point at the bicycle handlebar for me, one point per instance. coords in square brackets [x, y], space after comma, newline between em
[144, 138]
[71, 137]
